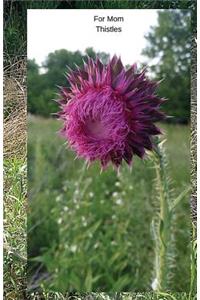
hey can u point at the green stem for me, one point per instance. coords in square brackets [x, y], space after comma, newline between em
[163, 232]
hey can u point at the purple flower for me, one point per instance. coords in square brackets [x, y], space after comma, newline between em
[109, 112]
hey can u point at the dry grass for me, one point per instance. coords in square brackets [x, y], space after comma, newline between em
[15, 131]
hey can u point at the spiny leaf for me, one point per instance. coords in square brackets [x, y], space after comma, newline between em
[179, 198]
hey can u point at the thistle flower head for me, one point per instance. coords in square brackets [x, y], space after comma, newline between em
[109, 112]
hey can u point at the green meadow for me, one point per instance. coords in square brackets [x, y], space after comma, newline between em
[92, 231]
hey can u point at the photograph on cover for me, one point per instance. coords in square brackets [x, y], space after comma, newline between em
[108, 105]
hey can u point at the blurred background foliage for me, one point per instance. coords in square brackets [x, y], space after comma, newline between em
[170, 44]
[42, 87]
[91, 232]
[167, 50]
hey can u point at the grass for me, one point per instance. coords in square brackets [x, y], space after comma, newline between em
[110, 296]
[14, 228]
[91, 232]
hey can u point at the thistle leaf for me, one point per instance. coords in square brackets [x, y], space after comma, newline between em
[179, 198]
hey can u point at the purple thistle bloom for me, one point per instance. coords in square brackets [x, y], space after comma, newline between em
[109, 112]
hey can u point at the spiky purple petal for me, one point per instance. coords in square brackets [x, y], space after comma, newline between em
[109, 112]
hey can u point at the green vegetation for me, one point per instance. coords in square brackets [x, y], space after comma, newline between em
[169, 43]
[111, 296]
[136, 4]
[15, 13]
[90, 231]
[42, 88]
[14, 228]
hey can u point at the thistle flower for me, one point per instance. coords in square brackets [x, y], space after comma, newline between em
[109, 112]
